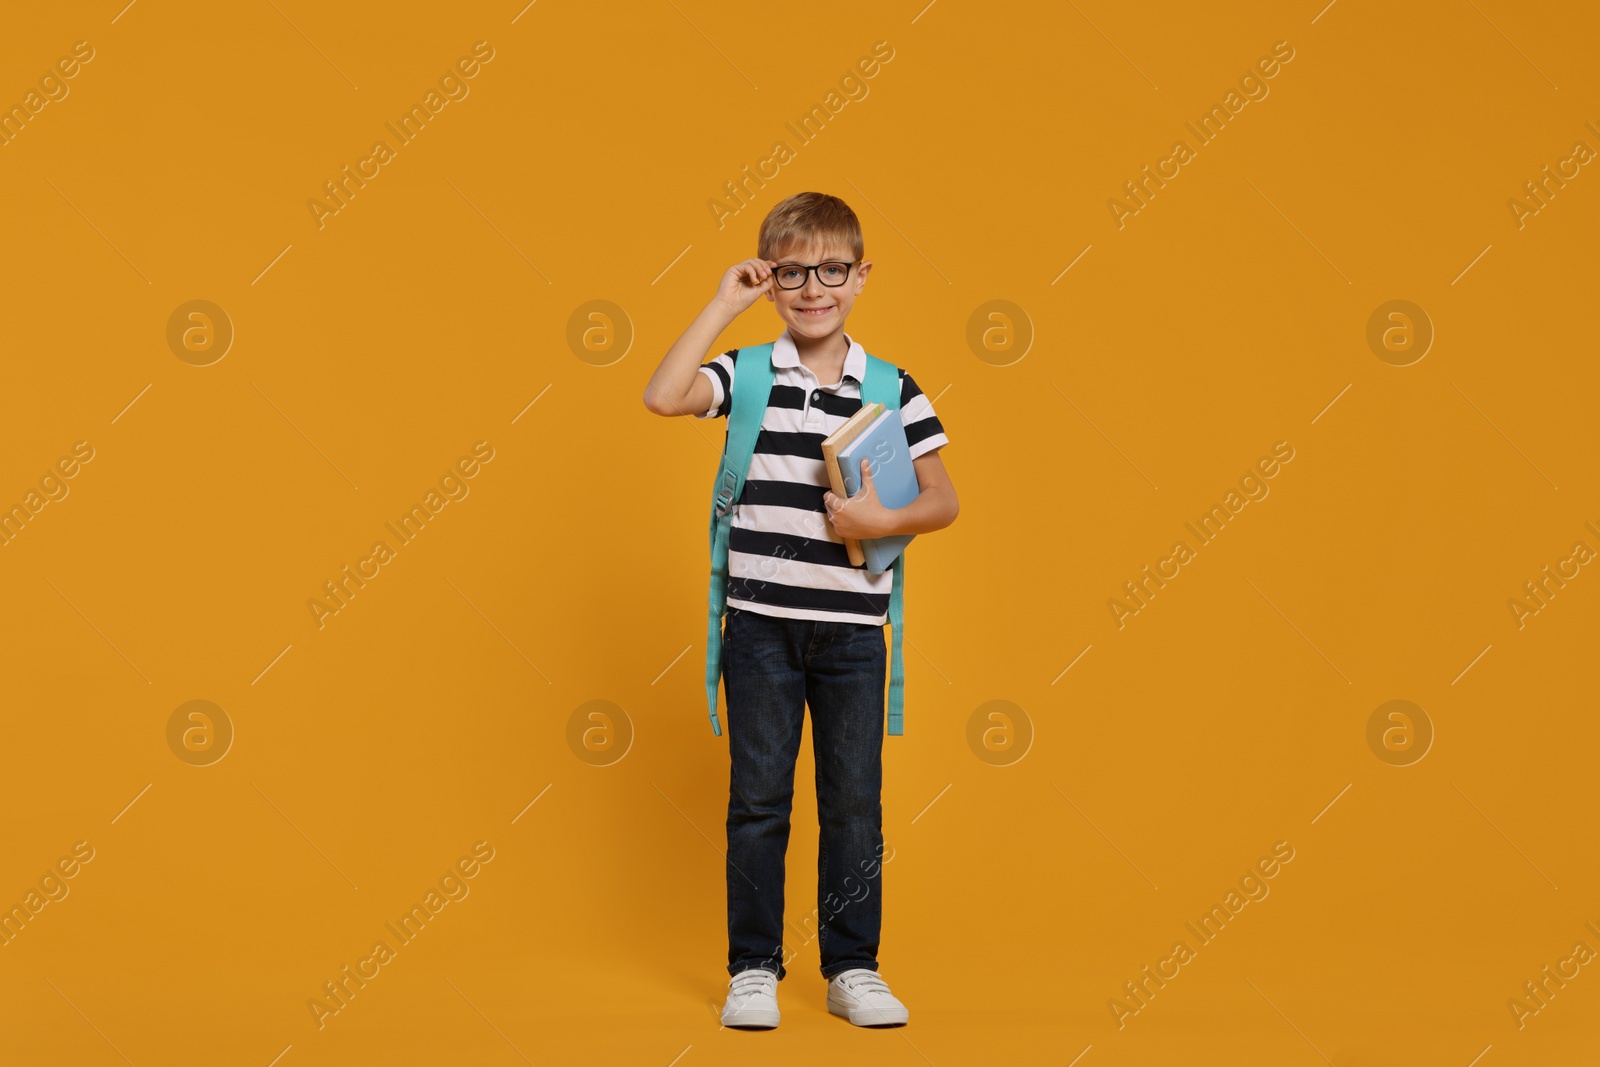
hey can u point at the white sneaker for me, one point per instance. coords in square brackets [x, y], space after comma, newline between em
[863, 997]
[752, 999]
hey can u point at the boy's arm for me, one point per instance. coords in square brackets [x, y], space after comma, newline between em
[936, 505]
[677, 387]
[864, 516]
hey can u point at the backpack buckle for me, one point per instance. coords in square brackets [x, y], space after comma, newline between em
[725, 491]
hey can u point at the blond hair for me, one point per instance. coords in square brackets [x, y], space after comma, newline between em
[809, 218]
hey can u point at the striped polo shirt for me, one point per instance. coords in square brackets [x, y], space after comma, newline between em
[784, 557]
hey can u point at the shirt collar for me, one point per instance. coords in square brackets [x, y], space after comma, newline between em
[784, 354]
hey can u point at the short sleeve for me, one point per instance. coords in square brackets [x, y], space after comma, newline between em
[720, 371]
[924, 432]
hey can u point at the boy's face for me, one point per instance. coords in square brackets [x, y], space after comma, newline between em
[815, 310]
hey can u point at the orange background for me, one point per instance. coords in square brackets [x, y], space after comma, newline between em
[433, 312]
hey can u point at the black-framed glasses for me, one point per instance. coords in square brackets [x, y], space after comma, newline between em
[794, 275]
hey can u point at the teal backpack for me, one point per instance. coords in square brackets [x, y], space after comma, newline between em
[752, 386]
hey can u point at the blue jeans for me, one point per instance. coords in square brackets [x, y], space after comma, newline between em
[774, 667]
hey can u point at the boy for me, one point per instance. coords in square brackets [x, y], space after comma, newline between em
[803, 626]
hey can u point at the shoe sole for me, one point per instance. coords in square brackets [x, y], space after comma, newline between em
[871, 1016]
[751, 1019]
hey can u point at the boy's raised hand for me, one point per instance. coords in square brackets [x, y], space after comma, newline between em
[745, 282]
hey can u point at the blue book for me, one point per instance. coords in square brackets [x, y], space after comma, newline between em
[883, 444]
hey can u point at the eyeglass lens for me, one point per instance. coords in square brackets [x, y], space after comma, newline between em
[793, 276]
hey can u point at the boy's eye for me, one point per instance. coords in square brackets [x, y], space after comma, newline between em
[833, 271]
[789, 274]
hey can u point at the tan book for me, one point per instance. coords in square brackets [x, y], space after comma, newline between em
[831, 446]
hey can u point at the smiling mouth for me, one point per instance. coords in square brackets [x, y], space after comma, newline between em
[815, 313]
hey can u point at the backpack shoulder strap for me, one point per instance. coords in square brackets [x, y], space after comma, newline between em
[882, 386]
[752, 386]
